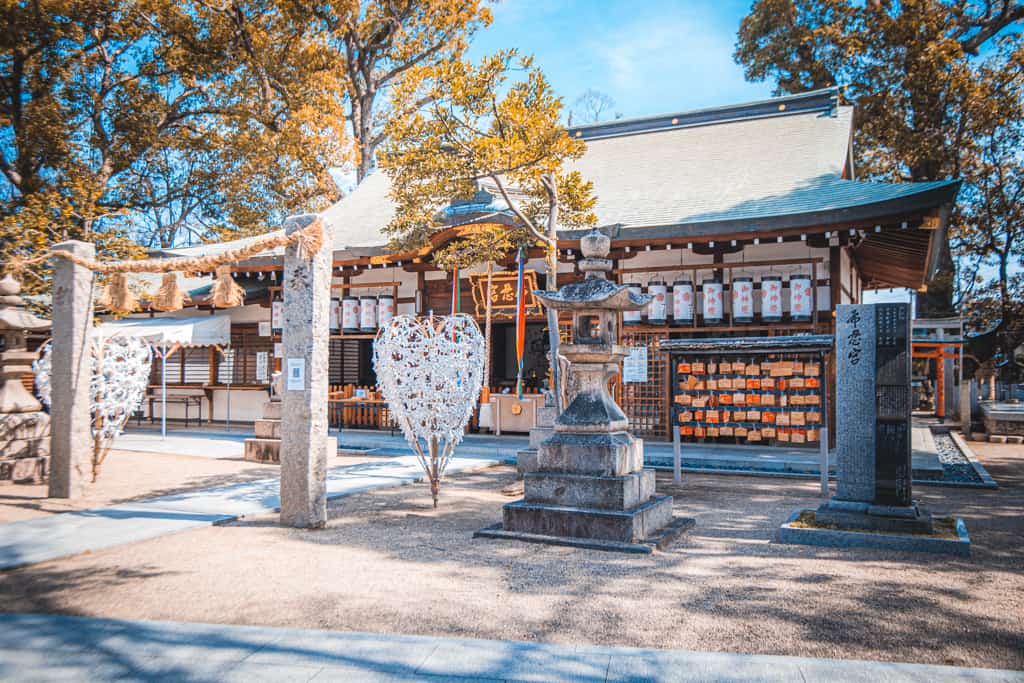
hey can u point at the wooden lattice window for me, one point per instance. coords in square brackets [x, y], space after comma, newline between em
[646, 403]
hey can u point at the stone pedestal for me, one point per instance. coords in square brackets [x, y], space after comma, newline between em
[1003, 418]
[24, 447]
[590, 486]
[526, 459]
[265, 447]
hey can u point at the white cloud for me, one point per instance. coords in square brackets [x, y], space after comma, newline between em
[651, 56]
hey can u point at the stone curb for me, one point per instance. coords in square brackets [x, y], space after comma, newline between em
[969, 453]
[843, 538]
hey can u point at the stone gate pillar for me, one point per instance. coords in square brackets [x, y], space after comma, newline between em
[304, 441]
[70, 417]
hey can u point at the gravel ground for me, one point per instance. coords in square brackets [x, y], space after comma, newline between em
[131, 475]
[955, 465]
[390, 563]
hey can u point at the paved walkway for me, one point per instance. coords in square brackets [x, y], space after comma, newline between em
[70, 533]
[43, 647]
[696, 457]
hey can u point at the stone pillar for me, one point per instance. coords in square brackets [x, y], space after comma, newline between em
[965, 406]
[304, 442]
[70, 417]
[873, 422]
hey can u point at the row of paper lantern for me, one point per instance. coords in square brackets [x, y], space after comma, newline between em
[682, 297]
[349, 314]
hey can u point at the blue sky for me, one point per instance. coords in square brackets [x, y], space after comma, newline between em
[651, 56]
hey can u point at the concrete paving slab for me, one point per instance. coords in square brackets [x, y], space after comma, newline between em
[303, 655]
[203, 444]
[62, 535]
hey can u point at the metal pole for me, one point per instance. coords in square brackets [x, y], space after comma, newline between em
[163, 392]
[677, 460]
[231, 373]
[823, 443]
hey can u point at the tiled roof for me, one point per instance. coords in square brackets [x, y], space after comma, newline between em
[743, 168]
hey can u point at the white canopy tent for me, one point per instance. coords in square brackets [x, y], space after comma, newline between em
[173, 333]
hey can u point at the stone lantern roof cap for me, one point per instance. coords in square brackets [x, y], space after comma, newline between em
[12, 315]
[17, 319]
[594, 293]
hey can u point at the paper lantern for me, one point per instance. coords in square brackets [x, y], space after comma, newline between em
[713, 304]
[682, 302]
[771, 298]
[657, 310]
[350, 314]
[335, 323]
[800, 298]
[743, 299]
[367, 314]
[385, 309]
[633, 317]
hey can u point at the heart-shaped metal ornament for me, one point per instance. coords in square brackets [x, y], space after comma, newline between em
[120, 376]
[430, 371]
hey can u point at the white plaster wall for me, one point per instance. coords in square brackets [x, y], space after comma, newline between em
[246, 405]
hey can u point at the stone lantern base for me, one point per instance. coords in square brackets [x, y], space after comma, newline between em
[24, 447]
[591, 490]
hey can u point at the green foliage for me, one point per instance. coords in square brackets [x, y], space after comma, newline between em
[482, 128]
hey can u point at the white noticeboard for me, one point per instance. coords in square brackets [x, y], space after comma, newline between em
[262, 364]
[278, 349]
[296, 374]
[264, 328]
[634, 366]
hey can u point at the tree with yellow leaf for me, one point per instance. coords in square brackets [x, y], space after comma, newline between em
[149, 121]
[380, 42]
[494, 125]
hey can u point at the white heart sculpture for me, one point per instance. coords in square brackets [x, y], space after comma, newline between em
[430, 371]
[120, 375]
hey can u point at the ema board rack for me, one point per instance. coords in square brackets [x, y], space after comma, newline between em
[750, 390]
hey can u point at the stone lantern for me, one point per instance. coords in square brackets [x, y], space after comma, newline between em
[24, 427]
[590, 488]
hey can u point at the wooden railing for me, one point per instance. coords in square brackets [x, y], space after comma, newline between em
[345, 409]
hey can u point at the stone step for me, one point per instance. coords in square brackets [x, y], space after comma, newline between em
[631, 526]
[272, 410]
[267, 429]
[263, 450]
[580, 490]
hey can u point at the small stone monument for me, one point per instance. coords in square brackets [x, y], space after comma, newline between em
[266, 445]
[589, 488]
[24, 427]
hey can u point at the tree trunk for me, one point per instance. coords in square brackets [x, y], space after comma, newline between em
[551, 273]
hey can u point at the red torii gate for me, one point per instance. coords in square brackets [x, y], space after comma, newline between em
[934, 349]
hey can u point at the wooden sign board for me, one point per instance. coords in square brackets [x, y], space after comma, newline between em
[503, 294]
